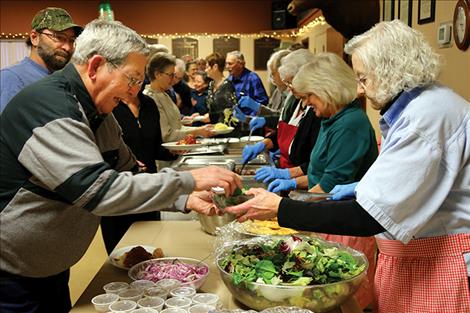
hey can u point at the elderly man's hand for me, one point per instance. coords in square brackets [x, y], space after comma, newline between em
[263, 206]
[201, 202]
[214, 176]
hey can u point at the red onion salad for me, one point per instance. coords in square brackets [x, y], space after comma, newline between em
[182, 272]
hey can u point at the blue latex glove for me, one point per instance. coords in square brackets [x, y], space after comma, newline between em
[237, 112]
[257, 122]
[251, 151]
[275, 155]
[268, 173]
[343, 191]
[282, 184]
[246, 102]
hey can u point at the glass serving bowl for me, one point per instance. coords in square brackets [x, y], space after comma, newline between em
[138, 271]
[317, 298]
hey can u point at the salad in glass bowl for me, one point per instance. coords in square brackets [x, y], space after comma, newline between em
[297, 270]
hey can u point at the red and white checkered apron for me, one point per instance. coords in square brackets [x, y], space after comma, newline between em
[427, 275]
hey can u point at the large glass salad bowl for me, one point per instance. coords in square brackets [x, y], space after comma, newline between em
[297, 270]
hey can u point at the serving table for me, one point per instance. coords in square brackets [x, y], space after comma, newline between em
[176, 238]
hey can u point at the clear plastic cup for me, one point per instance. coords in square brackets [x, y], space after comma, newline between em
[144, 310]
[173, 310]
[123, 306]
[142, 284]
[153, 303]
[187, 292]
[201, 308]
[206, 298]
[178, 302]
[168, 284]
[115, 287]
[156, 292]
[131, 294]
[103, 301]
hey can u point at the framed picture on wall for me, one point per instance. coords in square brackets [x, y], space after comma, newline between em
[426, 11]
[404, 11]
[388, 13]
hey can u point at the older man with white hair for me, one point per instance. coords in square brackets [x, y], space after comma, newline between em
[64, 165]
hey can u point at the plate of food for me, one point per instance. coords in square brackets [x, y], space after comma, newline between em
[256, 228]
[127, 257]
[189, 142]
[221, 129]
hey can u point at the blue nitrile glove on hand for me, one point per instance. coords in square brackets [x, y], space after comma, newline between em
[237, 112]
[257, 122]
[246, 102]
[343, 191]
[251, 151]
[275, 155]
[282, 184]
[268, 173]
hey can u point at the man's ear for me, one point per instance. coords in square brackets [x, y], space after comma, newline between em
[94, 63]
[34, 37]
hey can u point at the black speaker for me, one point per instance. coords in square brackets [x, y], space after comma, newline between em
[280, 18]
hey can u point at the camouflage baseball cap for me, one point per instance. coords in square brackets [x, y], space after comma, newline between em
[56, 19]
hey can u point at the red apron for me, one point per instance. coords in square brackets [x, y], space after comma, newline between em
[365, 294]
[426, 275]
[285, 136]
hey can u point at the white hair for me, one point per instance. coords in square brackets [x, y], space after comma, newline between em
[180, 66]
[158, 47]
[395, 58]
[275, 61]
[238, 55]
[329, 78]
[291, 63]
[110, 39]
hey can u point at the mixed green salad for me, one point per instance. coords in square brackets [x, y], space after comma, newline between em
[238, 196]
[292, 261]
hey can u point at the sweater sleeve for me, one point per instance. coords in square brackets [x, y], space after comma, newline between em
[331, 217]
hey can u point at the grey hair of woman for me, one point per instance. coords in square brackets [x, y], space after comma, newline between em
[158, 47]
[158, 63]
[291, 63]
[275, 61]
[110, 39]
[240, 57]
[395, 58]
[180, 66]
[329, 78]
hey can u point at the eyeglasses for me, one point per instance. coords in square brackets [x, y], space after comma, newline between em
[133, 82]
[362, 81]
[288, 83]
[171, 75]
[58, 37]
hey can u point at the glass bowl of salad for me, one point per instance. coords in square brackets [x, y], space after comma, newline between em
[297, 270]
[190, 272]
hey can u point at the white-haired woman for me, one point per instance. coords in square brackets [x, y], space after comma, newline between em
[297, 127]
[345, 149]
[161, 71]
[269, 115]
[416, 196]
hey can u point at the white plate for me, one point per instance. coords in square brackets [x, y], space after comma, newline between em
[223, 131]
[116, 254]
[252, 139]
[198, 118]
[173, 146]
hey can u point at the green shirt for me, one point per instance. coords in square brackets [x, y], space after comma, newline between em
[345, 149]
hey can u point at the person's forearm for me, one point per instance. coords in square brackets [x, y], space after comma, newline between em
[295, 172]
[268, 143]
[331, 217]
[302, 182]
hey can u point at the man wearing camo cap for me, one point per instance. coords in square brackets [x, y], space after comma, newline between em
[51, 39]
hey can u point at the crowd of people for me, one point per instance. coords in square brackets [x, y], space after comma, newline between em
[84, 117]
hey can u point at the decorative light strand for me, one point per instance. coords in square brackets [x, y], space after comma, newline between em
[271, 34]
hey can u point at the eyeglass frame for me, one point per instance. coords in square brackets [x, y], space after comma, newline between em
[362, 81]
[170, 75]
[133, 82]
[58, 37]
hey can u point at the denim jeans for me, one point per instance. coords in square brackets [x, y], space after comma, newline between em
[21, 294]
